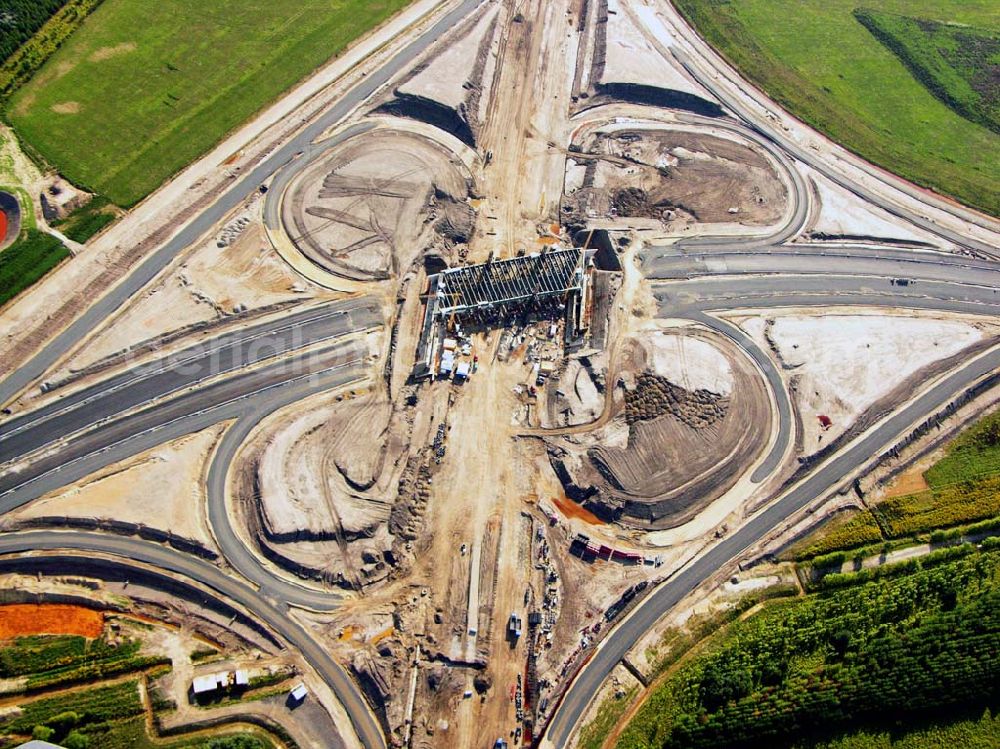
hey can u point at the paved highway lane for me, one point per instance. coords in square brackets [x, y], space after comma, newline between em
[149, 268]
[228, 589]
[197, 409]
[681, 298]
[825, 479]
[796, 260]
[225, 354]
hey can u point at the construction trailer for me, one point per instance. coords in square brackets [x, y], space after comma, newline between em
[210, 683]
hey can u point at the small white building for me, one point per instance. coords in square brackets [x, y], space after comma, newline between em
[298, 693]
[210, 683]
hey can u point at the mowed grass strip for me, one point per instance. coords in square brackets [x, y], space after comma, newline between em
[144, 88]
[817, 60]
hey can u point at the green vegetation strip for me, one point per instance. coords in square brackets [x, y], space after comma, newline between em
[86, 221]
[982, 733]
[873, 648]
[963, 499]
[20, 64]
[21, 19]
[817, 60]
[145, 88]
[959, 64]
[52, 661]
[27, 260]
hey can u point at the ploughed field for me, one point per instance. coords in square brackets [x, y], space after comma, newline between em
[917, 100]
[146, 88]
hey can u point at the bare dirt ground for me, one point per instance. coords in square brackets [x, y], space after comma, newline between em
[837, 365]
[232, 276]
[162, 488]
[367, 208]
[841, 214]
[675, 444]
[671, 177]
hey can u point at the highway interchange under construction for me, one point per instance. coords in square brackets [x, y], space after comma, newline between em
[383, 527]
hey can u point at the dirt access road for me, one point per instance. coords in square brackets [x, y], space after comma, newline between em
[526, 117]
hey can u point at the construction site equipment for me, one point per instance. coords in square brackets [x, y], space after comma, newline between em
[514, 626]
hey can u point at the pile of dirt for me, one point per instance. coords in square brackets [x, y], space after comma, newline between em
[654, 396]
[636, 202]
[456, 219]
[670, 450]
[672, 176]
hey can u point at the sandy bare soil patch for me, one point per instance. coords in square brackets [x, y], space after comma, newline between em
[162, 488]
[66, 107]
[106, 53]
[840, 364]
[217, 284]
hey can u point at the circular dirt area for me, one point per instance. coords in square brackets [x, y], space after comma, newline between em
[674, 176]
[10, 218]
[367, 207]
[692, 417]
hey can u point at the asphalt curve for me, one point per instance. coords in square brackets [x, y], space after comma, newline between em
[226, 354]
[819, 483]
[365, 725]
[102, 309]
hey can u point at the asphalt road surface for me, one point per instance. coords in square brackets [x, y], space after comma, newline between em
[227, 354]
[245, 560]
[902, 264]
[102, 309]
[192, 411]
[680, 298]
[820, 483]
[228, 589]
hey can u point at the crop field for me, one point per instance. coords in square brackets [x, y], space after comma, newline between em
[146, 88]
[869, 652]
[974, 733]
[818, 60]
[109, 717]
[27, 260]
[21, 619]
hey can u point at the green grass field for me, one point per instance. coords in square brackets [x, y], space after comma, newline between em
[143, 88]
[817, 60]
[960, 65]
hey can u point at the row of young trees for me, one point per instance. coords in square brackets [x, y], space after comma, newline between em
[885, 649]
[20, 19]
